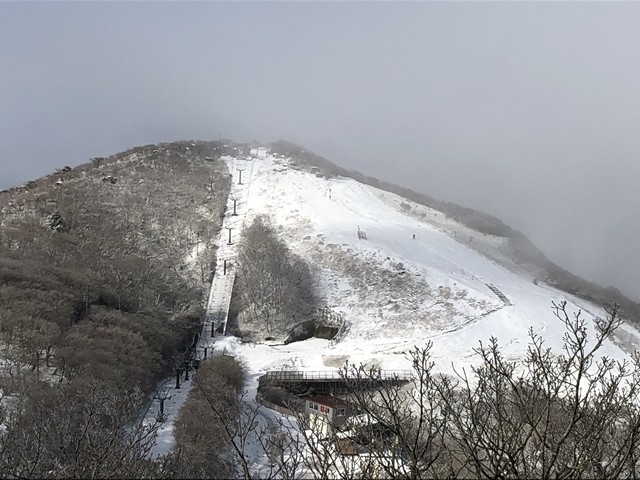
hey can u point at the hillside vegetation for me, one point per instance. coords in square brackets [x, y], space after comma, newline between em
[275, 288]
[102, 273]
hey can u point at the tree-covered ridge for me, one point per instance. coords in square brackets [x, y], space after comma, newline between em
[102, 273]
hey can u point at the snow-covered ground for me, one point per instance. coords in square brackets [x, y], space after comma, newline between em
[397, 291]
[411, 281]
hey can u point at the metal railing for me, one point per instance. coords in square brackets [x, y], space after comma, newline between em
[293, 375]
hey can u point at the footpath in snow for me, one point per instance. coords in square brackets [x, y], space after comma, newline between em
[172, 398]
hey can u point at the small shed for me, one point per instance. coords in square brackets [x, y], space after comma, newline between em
[326, 412]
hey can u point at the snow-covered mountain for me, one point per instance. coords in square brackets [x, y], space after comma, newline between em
[417, 276]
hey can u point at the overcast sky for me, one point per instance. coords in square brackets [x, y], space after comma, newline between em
[529, 111]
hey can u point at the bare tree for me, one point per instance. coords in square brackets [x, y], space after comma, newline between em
[402, 427]
[83, 430]
[569, 415]
[573, 414]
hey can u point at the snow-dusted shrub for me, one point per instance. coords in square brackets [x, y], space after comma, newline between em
[54, 222]
[82, 429]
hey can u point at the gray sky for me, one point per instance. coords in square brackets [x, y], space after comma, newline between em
[529, 111]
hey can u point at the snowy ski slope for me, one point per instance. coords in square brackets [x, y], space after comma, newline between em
[396, 291]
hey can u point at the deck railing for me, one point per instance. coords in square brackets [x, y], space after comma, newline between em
[320, 375]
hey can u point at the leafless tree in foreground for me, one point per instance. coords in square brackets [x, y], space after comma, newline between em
[80, 430]
[569, 415]
[573, 414]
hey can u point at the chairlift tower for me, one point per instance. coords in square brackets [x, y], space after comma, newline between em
[240, 170]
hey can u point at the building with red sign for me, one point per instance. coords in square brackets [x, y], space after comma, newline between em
[330, 411]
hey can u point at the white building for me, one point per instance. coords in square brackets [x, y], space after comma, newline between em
[326, 412]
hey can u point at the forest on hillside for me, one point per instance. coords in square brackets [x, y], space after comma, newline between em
[103, 268]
